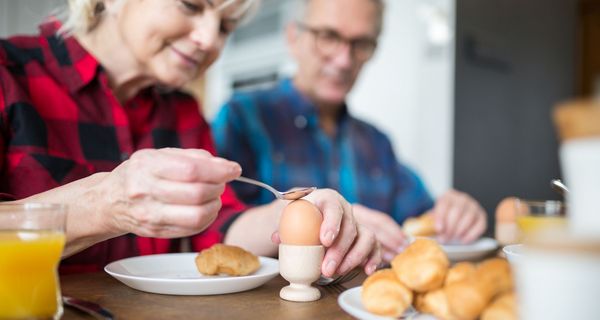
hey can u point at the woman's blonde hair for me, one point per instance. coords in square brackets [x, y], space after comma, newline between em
[83, 15]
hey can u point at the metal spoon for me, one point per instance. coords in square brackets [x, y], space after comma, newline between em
[559, 187]
[293, 194]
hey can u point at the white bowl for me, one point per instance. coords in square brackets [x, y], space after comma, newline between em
[513, 252]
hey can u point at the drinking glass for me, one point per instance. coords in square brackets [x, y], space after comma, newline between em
[539, 216]
[32, 237]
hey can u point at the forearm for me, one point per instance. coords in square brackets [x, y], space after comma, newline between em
[87, 203]
[253, 229]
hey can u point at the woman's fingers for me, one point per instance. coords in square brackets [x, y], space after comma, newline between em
[156, 219]
[169, 192]
[190, 165]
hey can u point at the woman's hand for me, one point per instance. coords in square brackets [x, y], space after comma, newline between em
[348, 243]
[166, 192]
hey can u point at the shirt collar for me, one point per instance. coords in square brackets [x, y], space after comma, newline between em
[301, 105]
[66, 59]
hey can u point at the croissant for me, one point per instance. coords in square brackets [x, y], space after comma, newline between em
[436, 303]
[422, 266]
[504, 307]
[496, 271]
[384, 294]
[468, 298]
[230, 260]
[459, 272]
[422, 226]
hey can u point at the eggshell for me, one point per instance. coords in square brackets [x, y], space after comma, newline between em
[506, 231]
[506, 211]
[300, 224]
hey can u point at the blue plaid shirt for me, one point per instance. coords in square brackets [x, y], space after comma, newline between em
[274, 134]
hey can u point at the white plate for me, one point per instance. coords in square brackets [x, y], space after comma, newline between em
[176, 273]
[472, 251]
[350, 301]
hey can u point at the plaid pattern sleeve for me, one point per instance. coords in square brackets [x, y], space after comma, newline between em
[274, 134]
[60, 122]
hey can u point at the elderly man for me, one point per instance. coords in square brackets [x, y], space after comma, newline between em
[300, 133]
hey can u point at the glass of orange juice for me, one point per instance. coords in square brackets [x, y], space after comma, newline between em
[32, 237]
[539, 216]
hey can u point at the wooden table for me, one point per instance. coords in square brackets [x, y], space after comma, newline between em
[260, 303]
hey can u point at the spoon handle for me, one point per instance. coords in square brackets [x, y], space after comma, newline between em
[260, 184]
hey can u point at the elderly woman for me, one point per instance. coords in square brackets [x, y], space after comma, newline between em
[91, 117]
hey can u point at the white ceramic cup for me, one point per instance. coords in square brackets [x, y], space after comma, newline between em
[557, 285]
[301, 266]
[580, 163]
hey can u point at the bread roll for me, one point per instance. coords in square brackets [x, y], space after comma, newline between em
[504, 307]
[422, 266]
[226, 259]
[422, 226]
[385, 295]
[496, 271]
[459, 272]
[434, 303]
[468, 298]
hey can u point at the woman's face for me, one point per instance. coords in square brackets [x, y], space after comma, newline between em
[173, 41]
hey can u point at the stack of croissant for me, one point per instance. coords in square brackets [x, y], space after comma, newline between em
[422, 276]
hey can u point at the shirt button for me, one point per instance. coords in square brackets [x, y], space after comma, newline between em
[124, 156]
[300, 122]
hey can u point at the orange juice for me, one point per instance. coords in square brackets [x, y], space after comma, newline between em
[530, 224]
[28, 273]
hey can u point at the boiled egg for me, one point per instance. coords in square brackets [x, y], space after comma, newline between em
[300, 224]
[506, 216]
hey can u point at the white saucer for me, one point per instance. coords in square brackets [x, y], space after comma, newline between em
[176, 273]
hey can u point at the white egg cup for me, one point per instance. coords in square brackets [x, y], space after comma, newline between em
[301, 266]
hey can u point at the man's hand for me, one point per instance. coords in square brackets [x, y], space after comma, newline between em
[458, 217]
[386, 230]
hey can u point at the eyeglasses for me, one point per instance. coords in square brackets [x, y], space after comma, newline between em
[328, 42]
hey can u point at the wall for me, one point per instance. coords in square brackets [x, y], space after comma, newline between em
[407, 90]
[515, 60]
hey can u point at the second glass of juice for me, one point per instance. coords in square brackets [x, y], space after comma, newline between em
[539, 216]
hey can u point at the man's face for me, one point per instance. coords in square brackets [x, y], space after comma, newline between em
[328, 71]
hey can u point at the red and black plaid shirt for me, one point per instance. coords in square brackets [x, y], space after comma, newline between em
[61, 122]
